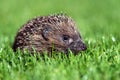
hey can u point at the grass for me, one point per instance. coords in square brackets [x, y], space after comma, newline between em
[98, 22]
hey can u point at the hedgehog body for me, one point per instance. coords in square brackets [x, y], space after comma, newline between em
[42, 33]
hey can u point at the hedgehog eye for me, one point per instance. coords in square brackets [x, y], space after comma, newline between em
[65, 37]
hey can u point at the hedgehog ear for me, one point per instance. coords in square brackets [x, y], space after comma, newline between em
[45, 33]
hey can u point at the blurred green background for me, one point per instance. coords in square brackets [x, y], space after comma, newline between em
[93, 17]
[98, 22]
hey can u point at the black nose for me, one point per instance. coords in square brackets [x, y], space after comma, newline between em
[83, 47]
[78, 46]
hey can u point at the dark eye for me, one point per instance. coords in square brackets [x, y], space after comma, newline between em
[65, 37]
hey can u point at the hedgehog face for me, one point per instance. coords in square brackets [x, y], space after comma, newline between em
[74, 43]
[63, 36]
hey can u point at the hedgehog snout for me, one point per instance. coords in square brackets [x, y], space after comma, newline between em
[78, 46]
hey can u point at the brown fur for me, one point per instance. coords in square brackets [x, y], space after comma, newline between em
[42, 33]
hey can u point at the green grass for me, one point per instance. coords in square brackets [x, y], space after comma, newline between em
[98, 22]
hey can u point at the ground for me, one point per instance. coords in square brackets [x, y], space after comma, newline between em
[98, 22]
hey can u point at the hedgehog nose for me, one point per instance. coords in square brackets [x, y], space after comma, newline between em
[83, 47]
[78, 46]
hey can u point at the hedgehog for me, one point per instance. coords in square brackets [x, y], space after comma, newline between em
[49, 33]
